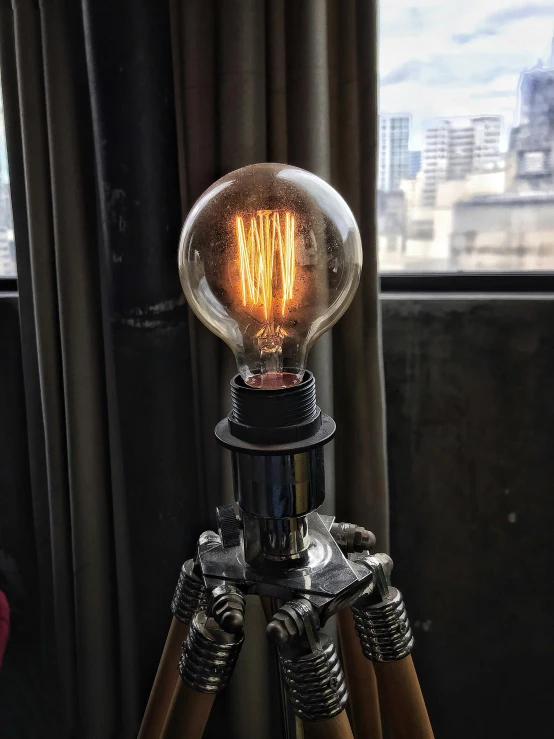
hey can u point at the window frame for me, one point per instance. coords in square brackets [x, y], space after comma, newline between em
[8, 285]
[467, 282]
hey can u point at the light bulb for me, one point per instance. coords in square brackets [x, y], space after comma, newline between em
[270, 258]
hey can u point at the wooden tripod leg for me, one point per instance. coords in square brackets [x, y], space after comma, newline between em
[402, 701]
[188, 713]
[361, 681]
[164, 682]
[337, 727]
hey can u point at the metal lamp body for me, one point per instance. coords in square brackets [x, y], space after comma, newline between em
[275, 492]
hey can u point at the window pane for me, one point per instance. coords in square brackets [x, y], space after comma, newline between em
[466, 128]
[7, 244]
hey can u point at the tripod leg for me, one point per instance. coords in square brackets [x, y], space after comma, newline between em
[402, 700]
[386, 639]
[164, 682]
[187, 598]
[312, 671]
[337, 727]
[188, 713]
[207, 663]
[292, 725]
[361, 681]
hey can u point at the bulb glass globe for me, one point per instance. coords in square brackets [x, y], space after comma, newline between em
[270, 258]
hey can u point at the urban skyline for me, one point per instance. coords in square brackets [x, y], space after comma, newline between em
[472, 205]
[458, 58]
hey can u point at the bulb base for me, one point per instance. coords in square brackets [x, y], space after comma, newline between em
[281, 416]
[276, 438]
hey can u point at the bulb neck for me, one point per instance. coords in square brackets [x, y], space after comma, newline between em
[282, 416]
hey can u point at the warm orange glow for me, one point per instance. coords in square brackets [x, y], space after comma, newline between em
[266, 241]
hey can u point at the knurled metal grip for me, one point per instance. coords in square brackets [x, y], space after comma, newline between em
[383, 628]
[189, 594]
[209, 655]
[316, 682]
[228, 526]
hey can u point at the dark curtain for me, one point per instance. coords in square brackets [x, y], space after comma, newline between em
[118, 115]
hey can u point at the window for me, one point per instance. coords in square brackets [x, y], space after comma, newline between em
[7, 243]
[466, 102]
[534, 163]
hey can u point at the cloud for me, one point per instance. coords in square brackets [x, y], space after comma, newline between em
[403, 20]
[520, 12]
[494, 22]
[454, 70]
[489, 74]
[465, 38]
[493, 94]
[406, 72]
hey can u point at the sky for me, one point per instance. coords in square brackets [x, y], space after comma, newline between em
[458, 57]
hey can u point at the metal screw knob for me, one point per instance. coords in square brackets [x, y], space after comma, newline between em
[295, 618]
[226, 607]
[352, 538]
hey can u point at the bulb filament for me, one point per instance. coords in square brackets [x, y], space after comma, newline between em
[266, 242]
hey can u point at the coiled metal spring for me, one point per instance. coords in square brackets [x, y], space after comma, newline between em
[316, 682]
[384, 629]
[209, 656]
[189, 594]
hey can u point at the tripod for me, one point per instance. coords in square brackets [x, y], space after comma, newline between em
[306, 568]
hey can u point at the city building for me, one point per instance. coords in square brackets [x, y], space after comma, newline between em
[7, 253]
[391, 226]
[394, 161]
[456, 147]
[414, 163]
[514, 228]
[486, 142]
[512, 231]
[530, 159]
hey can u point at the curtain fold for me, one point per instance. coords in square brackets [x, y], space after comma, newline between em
[118, 116]
[53, 200]
[131, 96]
[44, 613]
[38, 196]
[89, 529]
[361, 474]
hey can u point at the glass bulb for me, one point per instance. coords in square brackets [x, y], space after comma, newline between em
[270, 258]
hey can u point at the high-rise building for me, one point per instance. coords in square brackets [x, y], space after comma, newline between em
[456, 147]
[394, 162]
[531, 150]
[486, 142]
[414, 163]
[513, 228]
[7, 253]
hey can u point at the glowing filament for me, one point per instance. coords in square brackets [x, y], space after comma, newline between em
[259, 248]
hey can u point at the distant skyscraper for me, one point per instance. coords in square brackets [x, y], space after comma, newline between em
[486, 142]
[394, 163]
[456, 147]
[531, 149]
[414, 163]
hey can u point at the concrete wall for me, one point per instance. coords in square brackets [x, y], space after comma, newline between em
[507, 233]
[470, 427]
